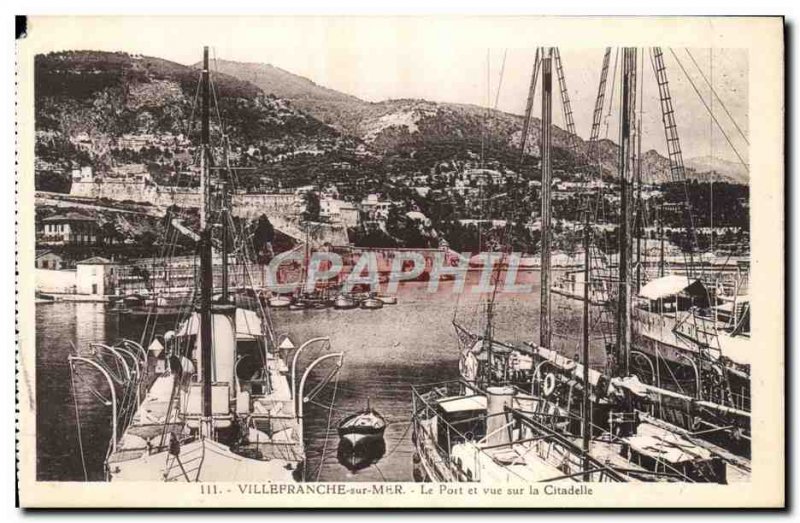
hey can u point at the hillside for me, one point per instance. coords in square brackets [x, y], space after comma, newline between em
[722, 169]
[86, 102]
[334, 108]
[393, 125]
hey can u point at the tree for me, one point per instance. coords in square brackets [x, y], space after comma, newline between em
[110, 234]
[263, 236]
[312, 207]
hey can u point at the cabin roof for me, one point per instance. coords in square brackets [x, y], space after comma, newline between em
[671, 285]
[462, 403]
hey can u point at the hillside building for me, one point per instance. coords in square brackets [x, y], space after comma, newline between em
[69, 229]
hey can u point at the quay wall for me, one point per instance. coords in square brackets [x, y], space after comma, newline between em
[60, 282]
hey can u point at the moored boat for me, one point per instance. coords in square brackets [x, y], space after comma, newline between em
[213, 400]
[279, 302]
[371, 302]
[344, 302]
[387, 299]
[367, 424]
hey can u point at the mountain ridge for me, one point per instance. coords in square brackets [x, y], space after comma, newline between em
[397, 123]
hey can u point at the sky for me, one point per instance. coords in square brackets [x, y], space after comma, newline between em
[444, 59]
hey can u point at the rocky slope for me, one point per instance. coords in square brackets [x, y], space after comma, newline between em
[402, 124]
[86, 101]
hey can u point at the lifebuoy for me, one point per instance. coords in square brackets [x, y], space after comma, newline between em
[549, 383]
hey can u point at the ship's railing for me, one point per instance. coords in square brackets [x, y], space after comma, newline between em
[561, 452]
[424, 408]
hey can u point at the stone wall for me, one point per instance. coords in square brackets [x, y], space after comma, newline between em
[245, 205]
[282, 209]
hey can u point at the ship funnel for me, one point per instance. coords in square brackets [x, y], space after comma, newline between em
[498, 398]
[223, 346]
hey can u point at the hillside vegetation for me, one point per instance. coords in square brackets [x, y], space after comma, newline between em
[394, 125]
[87, 100]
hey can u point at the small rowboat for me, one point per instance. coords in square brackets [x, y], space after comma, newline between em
[371, 303]
[344, 302]
[387, 299]
[279, 302]
[299, 305]
[362, 425]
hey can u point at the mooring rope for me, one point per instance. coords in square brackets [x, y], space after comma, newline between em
[399, 441]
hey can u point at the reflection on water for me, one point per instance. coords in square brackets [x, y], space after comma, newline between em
[386, 351]
[358, 456]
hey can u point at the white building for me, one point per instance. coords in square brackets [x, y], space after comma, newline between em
[375, 208]
[84, 174]
[338, 211]
[96, 276]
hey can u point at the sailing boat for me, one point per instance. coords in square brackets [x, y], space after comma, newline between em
[696, 367]
[490, 426]
[217, 404]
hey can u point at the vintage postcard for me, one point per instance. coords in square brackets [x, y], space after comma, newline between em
[420, 261]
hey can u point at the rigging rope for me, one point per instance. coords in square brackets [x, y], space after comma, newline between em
[328, 429]
[711, 87]
[78, 422]
[703, 101]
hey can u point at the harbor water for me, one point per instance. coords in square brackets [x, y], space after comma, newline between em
[386, 351]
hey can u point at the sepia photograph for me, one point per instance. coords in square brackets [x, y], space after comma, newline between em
[306, 256]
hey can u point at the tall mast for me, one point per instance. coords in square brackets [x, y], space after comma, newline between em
[526, 122]
[627, 111]
[566, 106]
[204, 141]
[661, 240]
[677, 170]
[546, 145]
[206, 274]
[224, 215]
[638, 224]
[586, 427]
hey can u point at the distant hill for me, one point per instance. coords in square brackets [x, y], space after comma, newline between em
[705, 166]
[335, 108]
[406, 123]
[85, 101]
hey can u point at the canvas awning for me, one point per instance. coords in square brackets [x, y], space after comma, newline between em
[672, 285]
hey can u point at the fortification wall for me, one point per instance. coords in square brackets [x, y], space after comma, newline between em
[282, 209]
[245, 205]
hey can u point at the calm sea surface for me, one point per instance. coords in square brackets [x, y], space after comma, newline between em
[386, 352]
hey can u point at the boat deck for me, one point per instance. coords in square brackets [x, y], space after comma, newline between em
[274, 432]
[149, 423]
[277, 429]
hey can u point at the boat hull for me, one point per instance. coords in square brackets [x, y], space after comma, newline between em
[372, 304]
